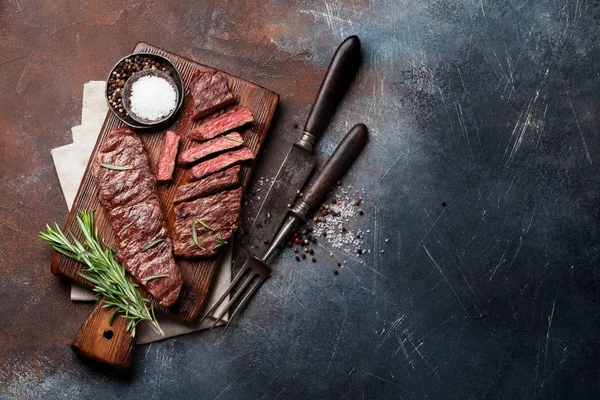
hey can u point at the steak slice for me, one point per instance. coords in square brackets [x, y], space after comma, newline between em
[210, 185]
[219, 163]
[133, 209]
[225, 142]
[220, 212]
[166, 161]
[218, 124]
[210, 93]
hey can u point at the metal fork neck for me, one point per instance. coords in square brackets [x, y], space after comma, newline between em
[297, 213]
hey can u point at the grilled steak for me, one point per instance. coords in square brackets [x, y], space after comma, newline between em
[220, 123]
[225, 142]
[210, 185]
[220, 212]
[219, 163]
[210, 93]
[130, 201]
[166, 161]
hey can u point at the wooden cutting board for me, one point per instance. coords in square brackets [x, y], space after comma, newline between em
[198, 276]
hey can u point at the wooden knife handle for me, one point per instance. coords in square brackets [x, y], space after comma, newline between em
[340, 73]
[343, 156]
[108, 344]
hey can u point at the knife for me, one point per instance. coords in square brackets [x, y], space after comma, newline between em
[343, 156]
[300, 160]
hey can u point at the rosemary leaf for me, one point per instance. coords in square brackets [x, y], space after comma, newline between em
[117, 167]
[153, 277]
[195, 235]
[126, 226]
[232, 139]
[152, 244]
[204, 225]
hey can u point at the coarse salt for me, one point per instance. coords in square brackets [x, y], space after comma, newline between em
[152, 98]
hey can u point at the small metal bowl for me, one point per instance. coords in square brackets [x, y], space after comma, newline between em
[173, 74]
[127, 91]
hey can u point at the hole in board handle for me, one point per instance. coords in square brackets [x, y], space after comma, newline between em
[108, 334]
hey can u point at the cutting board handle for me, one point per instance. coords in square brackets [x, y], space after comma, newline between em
[108, 344]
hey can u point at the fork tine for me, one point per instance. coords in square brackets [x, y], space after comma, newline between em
[234, 298]
[245, 300]
[231, 286]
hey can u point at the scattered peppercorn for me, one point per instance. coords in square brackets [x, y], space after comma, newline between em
[443, 203]
[314, 260]
[297, 240]
[339, 264]
[361, 212]
[335, 271]
[306, 249]
[311, 251]
[295, 250]
[359, 251]
[357, 202]
[303, 256]
[297, 258]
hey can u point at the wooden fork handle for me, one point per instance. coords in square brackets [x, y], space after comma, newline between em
[343, 156]
[108, 344]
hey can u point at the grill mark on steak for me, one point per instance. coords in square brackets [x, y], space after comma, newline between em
[210, 93]
[133, 209]
[221, 212]
[166, 161]
[219, 163]
[210, 185]
[217, 145]
[220, 123]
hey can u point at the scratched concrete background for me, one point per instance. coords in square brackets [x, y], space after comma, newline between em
[491, 106]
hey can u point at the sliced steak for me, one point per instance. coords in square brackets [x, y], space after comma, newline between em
[133, 209]
[210, 93]
[220, 212]
[217, 145]
[219, 163]
[210, 185]
[218, 124]
[166, 161]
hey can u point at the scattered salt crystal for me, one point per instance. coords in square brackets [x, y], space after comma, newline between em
[152, 98]
[383, 251]
[387, 240]
[368, 231]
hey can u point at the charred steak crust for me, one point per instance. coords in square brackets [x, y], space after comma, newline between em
[219, 163]
[210, 93]
[210, 185]
[227, 142]
[130, 201]
[166, 161]
[220, 123]
[221, 212]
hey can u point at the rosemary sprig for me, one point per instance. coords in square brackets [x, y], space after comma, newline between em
[232, 139]
[117, 167]
[152, 244]
[195, 235]
[204, 225]
[220, 241]
[101, 268]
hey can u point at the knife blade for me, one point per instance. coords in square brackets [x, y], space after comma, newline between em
[300, 161]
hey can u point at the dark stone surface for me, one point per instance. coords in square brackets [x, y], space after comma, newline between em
[492, 107]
